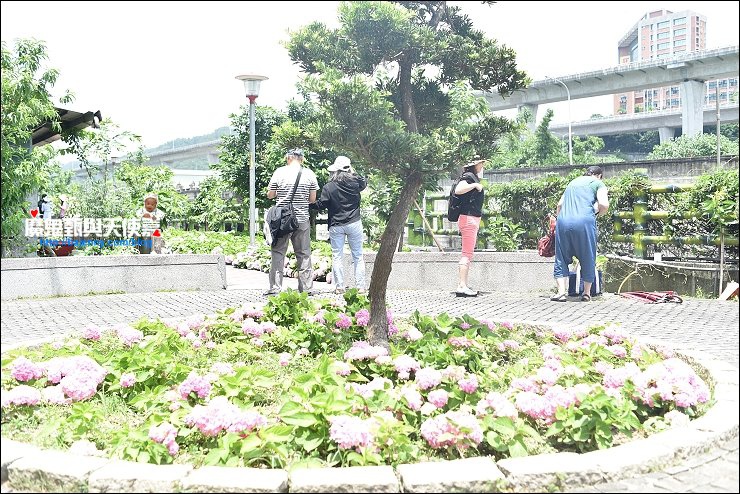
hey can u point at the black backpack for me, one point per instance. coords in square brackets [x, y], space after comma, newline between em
[455, 202]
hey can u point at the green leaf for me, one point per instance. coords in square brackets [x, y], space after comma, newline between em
[517, 448]
[300, 419]
[278, 433]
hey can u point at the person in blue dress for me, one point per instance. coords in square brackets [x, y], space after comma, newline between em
[575, 231]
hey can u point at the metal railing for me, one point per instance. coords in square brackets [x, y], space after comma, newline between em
[641, 216]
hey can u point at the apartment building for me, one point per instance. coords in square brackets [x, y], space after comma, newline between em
[665, 34]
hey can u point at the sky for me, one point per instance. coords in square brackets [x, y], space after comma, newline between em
[165, 70]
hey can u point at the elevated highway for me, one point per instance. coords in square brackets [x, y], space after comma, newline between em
[690, 71]
[666, 121]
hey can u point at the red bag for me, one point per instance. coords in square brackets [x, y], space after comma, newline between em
[546, 245]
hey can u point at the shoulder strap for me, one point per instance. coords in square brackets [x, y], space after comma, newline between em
[295, 186]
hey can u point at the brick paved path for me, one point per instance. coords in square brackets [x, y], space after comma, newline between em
[705, 325]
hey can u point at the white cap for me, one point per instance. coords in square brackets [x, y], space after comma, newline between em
[342, 163]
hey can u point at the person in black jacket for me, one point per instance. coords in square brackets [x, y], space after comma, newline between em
[471, 191]
[341, 197]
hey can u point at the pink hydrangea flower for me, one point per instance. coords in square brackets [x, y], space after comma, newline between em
[127, 380]
[223, 369]
[367, 390]
[458, 429]
[319, 317]
[54, 395]
[268, 327]
[465, 325]
[413, 334]
[252, 328]
[438, 398]
[92, 332]
[428, 378]
[195, 383]
[453, 373]
[165, 433]
[343, 322]
[362, 350]
[220, 415]
[128, 335]
[468, 385]
[460, 341]
[404, 364]
[413, 398]
[21, 395]
[351, 432]
[362, 317]
[342, 368]
[284, 359]
[22, 369]
[562, 334]
[497, 402]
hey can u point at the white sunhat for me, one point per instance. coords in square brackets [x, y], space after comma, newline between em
[342, 163]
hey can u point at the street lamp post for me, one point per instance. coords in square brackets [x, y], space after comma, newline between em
[570, 130]
[252, 88]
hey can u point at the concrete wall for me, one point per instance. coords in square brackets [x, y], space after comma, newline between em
[660, 171]
[523, 271]
[80, 275]
[686, 279]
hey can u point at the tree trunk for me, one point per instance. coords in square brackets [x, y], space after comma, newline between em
[408, 110]
[377, 330]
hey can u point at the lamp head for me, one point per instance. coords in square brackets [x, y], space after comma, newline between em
[251, 84]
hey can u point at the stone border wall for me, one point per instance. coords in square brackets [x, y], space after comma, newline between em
[83, 275]
[521, 271]
[31, 469]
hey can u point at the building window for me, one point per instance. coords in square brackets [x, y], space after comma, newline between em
[679, 21]
[663, 24]
[679, 32]
[664, 35]
[679, 42]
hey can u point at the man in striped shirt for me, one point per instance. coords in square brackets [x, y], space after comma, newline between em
[280, 187]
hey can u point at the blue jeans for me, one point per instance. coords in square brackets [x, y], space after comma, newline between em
[353, 233]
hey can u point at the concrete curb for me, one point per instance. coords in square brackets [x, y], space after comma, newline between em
[26, 467]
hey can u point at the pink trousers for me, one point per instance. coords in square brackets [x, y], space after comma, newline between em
[468, 226]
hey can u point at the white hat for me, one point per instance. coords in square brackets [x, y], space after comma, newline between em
[342, 163]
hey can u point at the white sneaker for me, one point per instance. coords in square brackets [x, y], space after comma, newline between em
[466, 292]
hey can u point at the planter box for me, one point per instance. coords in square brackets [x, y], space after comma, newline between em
[82, 275]
[521, 271]
[684, 278]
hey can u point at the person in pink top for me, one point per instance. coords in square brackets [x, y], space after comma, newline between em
[470, 190]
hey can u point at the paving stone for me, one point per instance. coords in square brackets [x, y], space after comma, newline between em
[468, 475]
[225, 479]
[351, 479]
[53, 471]
[547, 471]
[631, 459]
[11, 451]
[128, 476]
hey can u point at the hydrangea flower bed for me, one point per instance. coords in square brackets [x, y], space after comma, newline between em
[293, 383]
